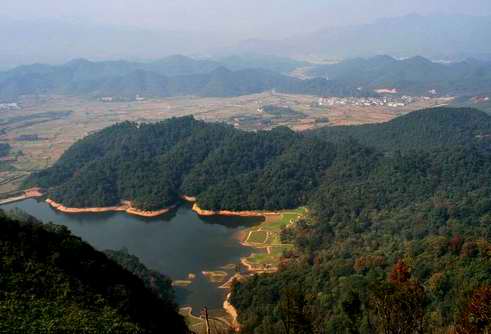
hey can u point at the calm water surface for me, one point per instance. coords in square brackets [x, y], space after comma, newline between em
[175, 244]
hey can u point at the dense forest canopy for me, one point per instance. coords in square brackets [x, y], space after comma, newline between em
[420, 130]
[54, 282]
[153, 280]
[153, 164]
[397, 239]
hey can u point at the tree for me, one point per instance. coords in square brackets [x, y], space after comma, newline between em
[398, 306]
[293, 312]
[476, 317]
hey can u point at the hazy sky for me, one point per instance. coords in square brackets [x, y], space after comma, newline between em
[242, 18]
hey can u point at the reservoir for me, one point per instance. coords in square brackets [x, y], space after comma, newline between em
[176, 244]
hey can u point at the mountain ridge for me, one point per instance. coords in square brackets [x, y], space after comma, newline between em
[158, 79]
[413, 76]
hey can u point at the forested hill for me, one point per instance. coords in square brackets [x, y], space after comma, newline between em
[153, 164]
[419, 130]
[52, 282]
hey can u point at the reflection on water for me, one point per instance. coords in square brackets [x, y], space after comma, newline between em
[175, 244]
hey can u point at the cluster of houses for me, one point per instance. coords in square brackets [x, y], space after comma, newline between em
[9, 106]
[366, 101]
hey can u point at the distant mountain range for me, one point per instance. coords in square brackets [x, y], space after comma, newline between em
[172, 76]
[437, 37]
[243, 75]
[416, 75]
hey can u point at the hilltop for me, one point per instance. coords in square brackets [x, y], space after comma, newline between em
[420, 130]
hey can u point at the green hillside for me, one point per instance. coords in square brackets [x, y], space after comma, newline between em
[419, 130]
[393, 243]
[53, 282]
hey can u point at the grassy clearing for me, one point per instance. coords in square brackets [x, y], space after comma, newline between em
[277, 251]
[286, 218]
[267, 238]
[258, 237]
[259, 258]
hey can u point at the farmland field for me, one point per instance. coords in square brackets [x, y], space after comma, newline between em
[258, 237]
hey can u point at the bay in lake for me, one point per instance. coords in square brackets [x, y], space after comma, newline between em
[175, 244]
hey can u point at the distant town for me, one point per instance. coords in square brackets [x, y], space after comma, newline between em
[388, 101]
[9, 106]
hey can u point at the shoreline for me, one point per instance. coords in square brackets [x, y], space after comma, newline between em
[228, 213]
[26, 194]
[232, 312]
[124, 207]
[127, 207]
[224, 213]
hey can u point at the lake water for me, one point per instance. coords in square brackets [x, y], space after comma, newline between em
[175, 244]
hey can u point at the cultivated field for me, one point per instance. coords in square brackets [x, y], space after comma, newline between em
[266, 240]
